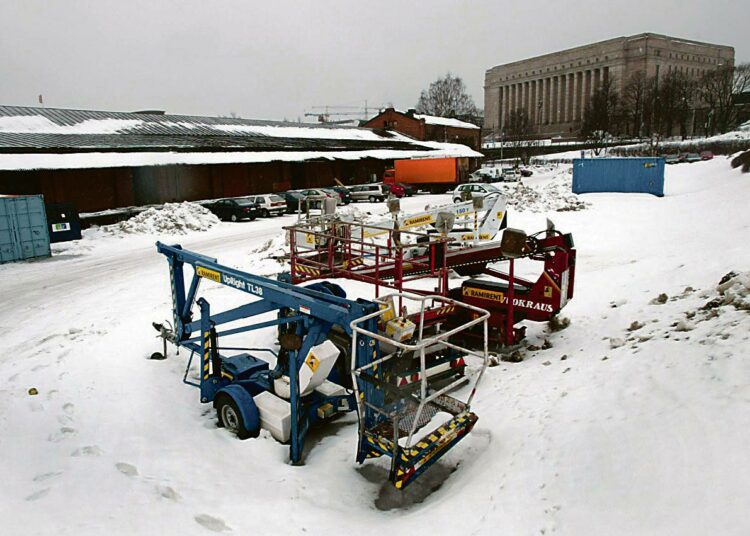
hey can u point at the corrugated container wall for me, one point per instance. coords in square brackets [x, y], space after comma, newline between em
[23, 228]
[629, 175]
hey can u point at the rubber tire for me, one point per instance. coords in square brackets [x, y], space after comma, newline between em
[372, 199]
[457, 200]
[226, 409]
[233, 217]
[264, 213]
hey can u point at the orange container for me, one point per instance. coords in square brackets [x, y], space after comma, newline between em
[427, 171]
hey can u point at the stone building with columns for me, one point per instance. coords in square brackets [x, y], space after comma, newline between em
[555, 88]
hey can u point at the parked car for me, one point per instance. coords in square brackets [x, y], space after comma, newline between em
[484, 175]
[369, 192]
[395, 189]
[526, 172]
[345, 196]
[693, 157]
[682, 157]
[671, 159]
[477, 189]
[511, 175]
[270, 204]
[293, 199]
[234, 209]
[707, 155]
[408, 190]
[317, 193]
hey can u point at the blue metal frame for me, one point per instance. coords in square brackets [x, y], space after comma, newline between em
[311, 310]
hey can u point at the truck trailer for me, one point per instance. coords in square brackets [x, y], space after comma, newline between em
[437, 175]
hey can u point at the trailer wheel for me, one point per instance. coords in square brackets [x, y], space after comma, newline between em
[231, 418]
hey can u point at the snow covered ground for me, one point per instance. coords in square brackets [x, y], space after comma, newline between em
[635, 421]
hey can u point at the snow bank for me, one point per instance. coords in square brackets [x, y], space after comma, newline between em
[270, 257]
[171, 218]
[556, 195]
[734, 289]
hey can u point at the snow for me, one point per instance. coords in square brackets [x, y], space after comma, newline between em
[38, 124]
[633, 419]
[301, 132]
[104, 160]
[445, 121]
[549, 189]
[170, 218]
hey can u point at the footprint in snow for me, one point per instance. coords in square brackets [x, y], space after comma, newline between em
[64, 433]
[37, 495]
[127, 469]
[212, 523]
[89, 451]
[46, 476]
[168, 492]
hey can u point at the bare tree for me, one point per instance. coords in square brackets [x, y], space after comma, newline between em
[601, 116]
[633, 104]
[717, 89]
[675, 94]
[447, 97]
[518, 133]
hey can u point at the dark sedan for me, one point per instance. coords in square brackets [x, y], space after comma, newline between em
[234, 209]
[345, 195]
[293, 200]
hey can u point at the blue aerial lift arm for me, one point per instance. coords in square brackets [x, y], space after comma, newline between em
[308, 312]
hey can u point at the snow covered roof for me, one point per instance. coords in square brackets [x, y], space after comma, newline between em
[48, 138]
[444, 121]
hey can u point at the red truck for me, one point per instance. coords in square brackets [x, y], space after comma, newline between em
[436, 175]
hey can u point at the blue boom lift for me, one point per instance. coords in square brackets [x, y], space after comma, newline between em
[401, 374]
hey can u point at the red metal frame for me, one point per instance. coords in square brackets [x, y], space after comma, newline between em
[332, 251]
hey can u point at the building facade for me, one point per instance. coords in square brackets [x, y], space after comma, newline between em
[99, 160]
[555, 88]
[427, 127]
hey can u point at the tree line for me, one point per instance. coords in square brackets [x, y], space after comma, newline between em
[675, 104]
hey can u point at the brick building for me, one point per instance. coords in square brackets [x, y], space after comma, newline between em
[555, 88]
[427, 127]
[100, 160]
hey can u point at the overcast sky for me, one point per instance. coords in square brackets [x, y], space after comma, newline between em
[277, 59]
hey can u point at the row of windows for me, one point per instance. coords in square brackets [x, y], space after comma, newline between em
[690, 71]
[555, 67]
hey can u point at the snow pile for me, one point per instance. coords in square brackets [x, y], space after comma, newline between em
[171, 218]
[554, 196]
[734, 289]
[270, 257]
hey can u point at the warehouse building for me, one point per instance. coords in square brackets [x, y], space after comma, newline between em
[101, 160]
[427, 127]
[555, 88]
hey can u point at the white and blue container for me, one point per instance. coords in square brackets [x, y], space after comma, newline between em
[23, 228]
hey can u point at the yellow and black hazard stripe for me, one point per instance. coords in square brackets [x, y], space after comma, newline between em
[307, 270]
[445, 310]
[206, 353]
[357, 261]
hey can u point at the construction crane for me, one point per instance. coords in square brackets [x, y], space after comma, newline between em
[324, 113]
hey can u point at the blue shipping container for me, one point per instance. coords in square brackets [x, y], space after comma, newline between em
[23, 228]
[630, 175]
